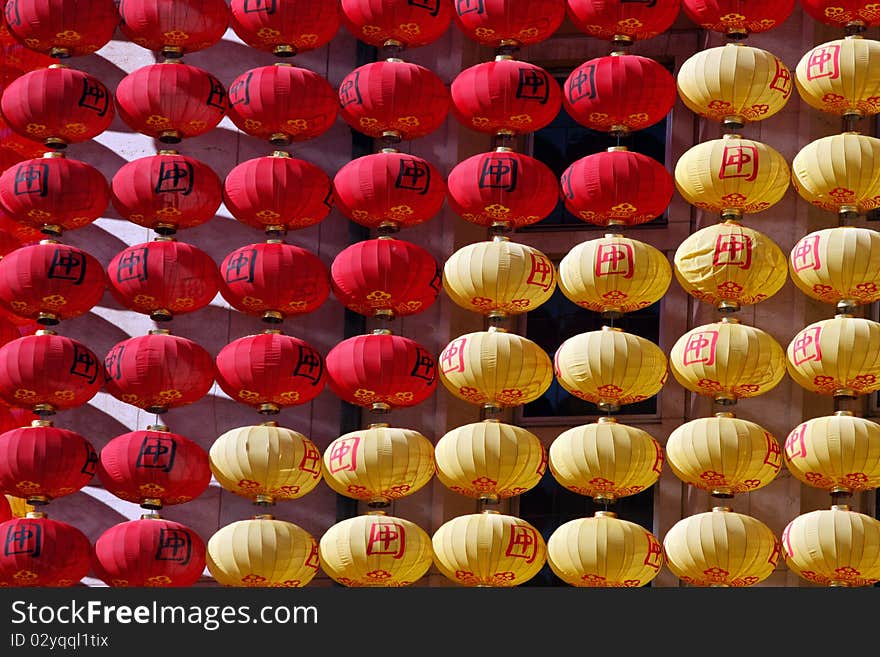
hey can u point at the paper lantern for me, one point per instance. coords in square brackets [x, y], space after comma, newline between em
[610, 367]
[174, 28]
[495, 369]
[497, 23]
[284, 27]
[614, 274]
[22, 232]
[262, 552]
[730, 265]
[5, 509]
[734, 19]
[623, 23]
[854, 15]
[490, 460]
[727, 361]
[59, 28]
[839, 77]
[604, 551]
[498, 277]
[266, 463]
[409, 24]
[42, 552]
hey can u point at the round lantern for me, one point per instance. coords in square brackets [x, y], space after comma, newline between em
[623, 22]
[502, 188]
[734, 84]
[388, 22]
[22, 232]
[605, 460]
[375, 550]
[736, 20]
[154, 468]
[45, 553]
[619, 93]
[511, 23]
[62, 29]
[277, 193]
[166, 192]
[498, 278]
[840, 77]
[838, 453]
[149, 552]
[158, 371]
[732, 176]
[495, 369]
[270, 371]
[488, 549]
[174, 28]
[274, 280]
[610, 367]
[284, 27]
[490, 460]
[614, 275]
[838, 357]
[851, 15]
[393, 99]
[266, 463]
[724, 455]
[365, 278]
[730, 265]
[834, 547]
[604, 551]
[262, 552]
[171, 101]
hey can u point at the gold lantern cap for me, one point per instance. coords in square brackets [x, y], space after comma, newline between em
[604, 514]
[617, 149]
[721, 509]
[606, 419]
[36, 514]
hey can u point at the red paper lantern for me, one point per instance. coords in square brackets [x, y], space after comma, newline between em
[5, 509]
[158, 371]
[282, 103]
[502, 188]
[150, 552]
[623, 22]
[381, 371]
[410, 24]
[57, 106]
[42, 553]
[8, 243]
[16, 148]
[617, 187]
[8, 158]
[285, 27]
[735, 18]
[619, 93]
[274, 280]
[61, 28]
[171, 101]
[498, 23]
[393, 99]
[16, 60]
[163, 278]
[505, 96]
[856, 15]
[46, 372]
[166, 192]
[42, 462]
[14, 418]
[366, 278]
[154, 468]
[278, 193]
[389, 189]
[271, 371]
[176, 27]
[22, 232]
[50, 282]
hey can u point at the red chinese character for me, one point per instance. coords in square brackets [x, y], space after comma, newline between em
[734, 249]
[739, 162]
[782, 80]
[795, 445]
[541, 274]
[700, 348]
[452, 358]
[311, 460]
[806, 346]
[388, 538]
[523, 543]
[806, 254]
[314, 560]
[654, 557]
[824, 62]
[343, 456]
[774, 454]
[614, 259]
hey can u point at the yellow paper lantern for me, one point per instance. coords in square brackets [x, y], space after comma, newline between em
[488, 549]
[839, 173]
[834, 547]
[610, 367]
[266, 462]
[604, 551]
[838, 265]
[724, 454]
[499, 277]
[838, 357]
[734, 84]
[727, 361]
[375, 550]
[262, 552]
[379, 464]
[732, 176]
[730, 265]
[841, 77]
[490, 460]
[721, 548]
[614, 274]
[495, 368]
[839, 453]
[605, 460]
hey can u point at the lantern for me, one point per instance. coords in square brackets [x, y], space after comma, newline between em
[497, 23]
[379, 464]
[610, 367]
[622, 23]
[614, 274]
[499, 277]
[5, 509]
[174, 28]
[23, 233]
[734, 19]
[604, 551]
[62, 29]
[262, 552]
[53, 553]
[410, 24]
[266, 463]
[490, 460]
[854, 15]
[351, 555]
[286, 27]
[495, 369]
[839, 77]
